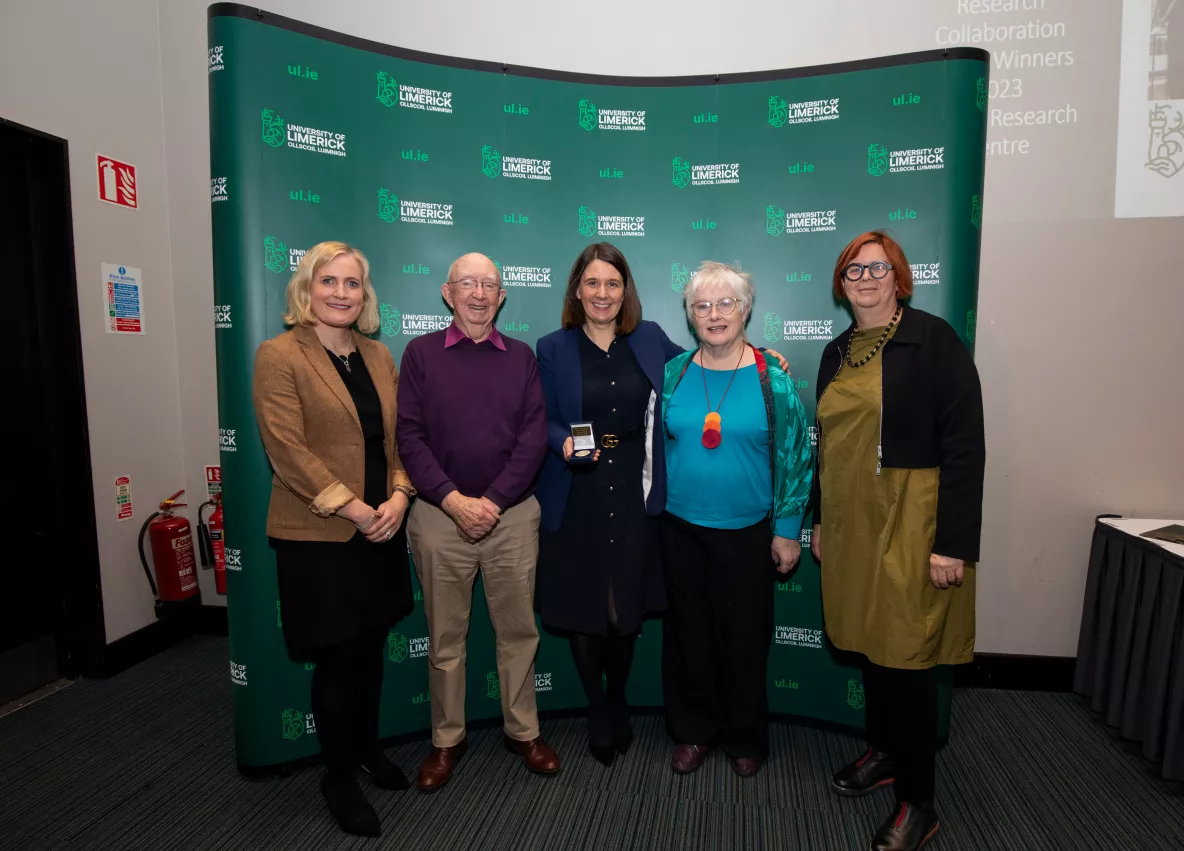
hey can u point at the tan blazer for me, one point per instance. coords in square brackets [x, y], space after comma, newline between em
[313, 436]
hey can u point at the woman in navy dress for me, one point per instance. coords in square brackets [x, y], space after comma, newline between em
[599, 571]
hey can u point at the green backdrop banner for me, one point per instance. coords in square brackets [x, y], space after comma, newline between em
[417, 159]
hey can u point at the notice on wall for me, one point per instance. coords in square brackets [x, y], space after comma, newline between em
[123, 497]
[213, 480]
[123, 299]
[117, 182]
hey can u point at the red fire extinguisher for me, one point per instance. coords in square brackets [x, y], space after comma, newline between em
[213, 547]
[172, 553]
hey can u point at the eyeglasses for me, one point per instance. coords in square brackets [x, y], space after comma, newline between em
[878, 268]
[725, 306]
[489, 286]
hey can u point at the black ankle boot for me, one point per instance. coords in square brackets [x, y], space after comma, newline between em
[600, 736]
[907, 829]
[384, 773]
[862, 777]
[349, 806]
[622, 730]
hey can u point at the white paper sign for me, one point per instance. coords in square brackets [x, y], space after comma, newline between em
[123, 304]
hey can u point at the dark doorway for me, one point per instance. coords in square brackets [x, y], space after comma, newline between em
[51, 614]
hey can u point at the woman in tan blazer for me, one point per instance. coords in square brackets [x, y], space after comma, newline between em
[325, 401]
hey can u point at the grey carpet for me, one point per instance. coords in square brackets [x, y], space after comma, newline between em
[145, 760]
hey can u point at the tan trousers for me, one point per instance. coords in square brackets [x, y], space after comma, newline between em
[447, 566]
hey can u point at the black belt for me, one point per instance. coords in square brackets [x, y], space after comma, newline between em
[608, 441]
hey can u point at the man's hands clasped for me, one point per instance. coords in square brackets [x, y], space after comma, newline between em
[475, 517]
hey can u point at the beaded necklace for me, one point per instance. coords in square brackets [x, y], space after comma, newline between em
[883, 338]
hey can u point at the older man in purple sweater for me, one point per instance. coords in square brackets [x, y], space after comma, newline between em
[472, 433]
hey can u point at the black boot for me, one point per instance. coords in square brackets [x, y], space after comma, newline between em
[862, 777]
[618, 659]
[348, 805]
[907, 829]
[384, 773]
[588, 653]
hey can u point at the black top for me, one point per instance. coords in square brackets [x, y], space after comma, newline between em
[365, 397]
[932, 417]
[615, 390]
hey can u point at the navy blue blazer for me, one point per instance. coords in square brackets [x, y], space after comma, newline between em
[563, 390]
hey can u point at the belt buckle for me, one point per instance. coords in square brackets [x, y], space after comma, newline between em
[609, 441]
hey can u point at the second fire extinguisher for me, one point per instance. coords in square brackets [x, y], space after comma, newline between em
[213, 547]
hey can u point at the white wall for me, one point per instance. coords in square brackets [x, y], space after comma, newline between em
[1076, 324]
[90, 73]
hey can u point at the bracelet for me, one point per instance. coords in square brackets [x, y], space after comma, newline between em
[409, 492]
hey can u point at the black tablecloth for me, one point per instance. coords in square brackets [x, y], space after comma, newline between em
[1130, 656]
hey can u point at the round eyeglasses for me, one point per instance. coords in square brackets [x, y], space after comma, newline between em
[878, 268]
[724, 306]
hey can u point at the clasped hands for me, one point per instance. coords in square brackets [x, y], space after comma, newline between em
[377, 524]
[474, 517]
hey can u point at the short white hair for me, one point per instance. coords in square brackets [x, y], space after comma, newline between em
[711, 272]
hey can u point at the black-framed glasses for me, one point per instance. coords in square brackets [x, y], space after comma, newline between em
[488, 285]
[725, 306]
[878, 268]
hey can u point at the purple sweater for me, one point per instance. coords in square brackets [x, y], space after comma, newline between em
[471, 417]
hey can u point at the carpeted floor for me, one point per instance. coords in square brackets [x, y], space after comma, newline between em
[145, 760]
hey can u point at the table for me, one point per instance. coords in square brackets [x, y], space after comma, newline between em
[1130, 655]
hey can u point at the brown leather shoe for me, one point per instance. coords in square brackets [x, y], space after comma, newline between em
[436, 770]
[539, 756]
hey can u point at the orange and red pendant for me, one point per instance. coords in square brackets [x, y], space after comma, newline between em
[712, 431]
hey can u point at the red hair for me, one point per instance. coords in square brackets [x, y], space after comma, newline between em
[900, 264]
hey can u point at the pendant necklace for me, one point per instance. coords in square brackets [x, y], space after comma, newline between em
[712, 424]
[344, 360]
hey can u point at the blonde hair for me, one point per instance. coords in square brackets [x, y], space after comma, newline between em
[299, 306]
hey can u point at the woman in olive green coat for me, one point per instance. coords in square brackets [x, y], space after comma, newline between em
[898, 508]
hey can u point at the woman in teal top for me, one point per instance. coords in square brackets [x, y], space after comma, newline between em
[738, 472]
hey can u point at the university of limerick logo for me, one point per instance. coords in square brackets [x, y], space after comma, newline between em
[388, 205]
[390, 327]
[275, 254]
[1165, 148]
[681, 175]
[679, 277]
[396, 644]
[587, 114]
[773, 327]
[774, 220]
[388, 89]
[976, 210]
[273, 128]
[778, 111]
[971, 325]
[293, 720]
[587, 221]
[491, 161]
[493, 687]
[877, 159]
[980, 94]
[855, 694]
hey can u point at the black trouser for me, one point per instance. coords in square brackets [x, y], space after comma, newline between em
[346, 690]
[901, 711]
[716, 636]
